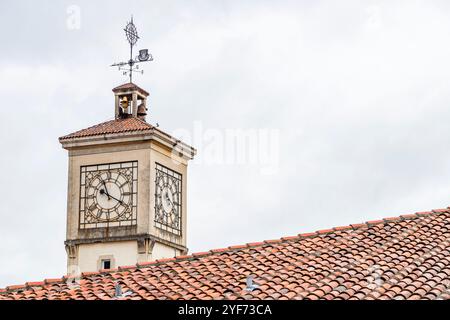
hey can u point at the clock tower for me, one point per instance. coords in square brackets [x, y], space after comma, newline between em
[127, 189]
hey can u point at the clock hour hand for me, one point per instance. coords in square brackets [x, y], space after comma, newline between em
[106, 190]
[110, 196]
[105, 193]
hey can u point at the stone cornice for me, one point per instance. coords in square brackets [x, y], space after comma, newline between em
[136, 237]
[180, 148]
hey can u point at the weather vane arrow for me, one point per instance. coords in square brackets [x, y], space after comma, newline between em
[132, 65]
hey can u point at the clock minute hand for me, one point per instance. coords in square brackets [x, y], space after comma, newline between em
[120, 201]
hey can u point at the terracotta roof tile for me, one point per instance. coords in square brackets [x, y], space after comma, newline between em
[289, 238]
[237, 247]
[324, 231]
[129, 86]
[219, 250]
[130, 124]
[255, 244]
[272, 241]
[307, 235]
[31, 284]
[55, 280]
[199, 254]
[405, 258]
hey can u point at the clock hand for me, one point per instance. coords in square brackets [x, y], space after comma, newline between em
[106, 190]
[110, 196]
[120, 201]
[105, 193]
[168, 199]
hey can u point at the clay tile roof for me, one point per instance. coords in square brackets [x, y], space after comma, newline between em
[128, 87]
[406, 258]
[131, 124]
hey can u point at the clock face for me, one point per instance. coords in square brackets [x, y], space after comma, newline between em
[168, 199]
[108, 195]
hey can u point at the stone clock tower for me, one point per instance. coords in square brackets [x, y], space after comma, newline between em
[127, 189]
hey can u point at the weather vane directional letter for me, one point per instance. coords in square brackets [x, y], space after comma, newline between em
[133, 64]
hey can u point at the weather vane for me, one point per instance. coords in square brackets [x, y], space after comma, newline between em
[133, 64]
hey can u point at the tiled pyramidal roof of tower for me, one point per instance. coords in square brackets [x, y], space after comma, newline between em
[123, 125]
[406, 257]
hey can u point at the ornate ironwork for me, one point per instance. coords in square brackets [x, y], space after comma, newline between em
[108, 195]
[132, 65]
[131, 33]
[168, 199]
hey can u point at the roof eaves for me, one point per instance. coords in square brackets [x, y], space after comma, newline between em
[105, 135]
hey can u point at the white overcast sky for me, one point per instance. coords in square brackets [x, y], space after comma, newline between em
[358, 91]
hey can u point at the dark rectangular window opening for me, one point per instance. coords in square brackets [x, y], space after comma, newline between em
[106, 264]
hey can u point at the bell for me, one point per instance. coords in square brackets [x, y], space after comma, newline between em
[124, 103]
[141, 111]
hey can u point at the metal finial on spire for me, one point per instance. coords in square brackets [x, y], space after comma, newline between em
[133, 64]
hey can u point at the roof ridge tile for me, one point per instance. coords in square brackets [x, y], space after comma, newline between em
[374, 222]
[425, 213]
[52, 280]
[391, 219]
[307, 235]
[35, 284]
[440, 210]
[270, 241]
[145, 264]
[219, 250]
[237, 247]
[15, 287]
[409, 216]
[185, 257]
[342, 228]
[104, 271]
[165, 260]
[126, 268]
[290, 238]
[255, 244]
[357, 226]
[324, 231]
[89, 273]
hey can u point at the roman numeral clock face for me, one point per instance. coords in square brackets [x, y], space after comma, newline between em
[108, 195]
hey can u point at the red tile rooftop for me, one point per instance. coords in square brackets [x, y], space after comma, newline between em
[123, 125]
[129, 86]
[394, 258]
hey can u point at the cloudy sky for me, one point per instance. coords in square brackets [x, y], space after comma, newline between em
[354, 96]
